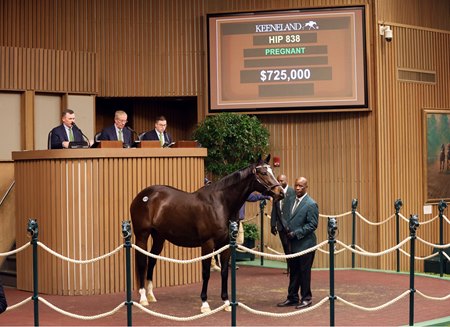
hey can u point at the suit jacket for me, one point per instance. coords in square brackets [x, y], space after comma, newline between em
[3, 303]
[109, 134]
[59, 135]
[153, 136]
[303, 222]
[276, 215]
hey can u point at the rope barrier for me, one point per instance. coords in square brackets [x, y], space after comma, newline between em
[241, 248]
[46, 248]
[429, 221]
[81, 317]
[374, 308]
[161, 315]
[15, 306]
[375, 224]
[432, 297]
[337, 216]
[443, 246]
[335, 251]
[283, 315]
[446, 219]
[403, 217]
[287, 256]
[223, 248]
[446, 255]
[23, 247]
[374, 254]
[419, 258]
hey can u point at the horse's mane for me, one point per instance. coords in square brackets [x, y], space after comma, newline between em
[233, 178]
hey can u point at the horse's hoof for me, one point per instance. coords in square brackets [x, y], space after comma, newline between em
[144, 303]
[151, 298]
[228, 307]
[205, 308]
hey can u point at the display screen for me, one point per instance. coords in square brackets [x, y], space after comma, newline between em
[287, 60]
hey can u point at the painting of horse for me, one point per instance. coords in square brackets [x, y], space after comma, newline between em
[197, 219]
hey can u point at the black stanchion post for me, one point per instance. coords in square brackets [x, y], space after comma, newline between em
[397, 205]
[354, 206]
[262, 205]
[413, 225]
[33, 230]
[442, 205]
[233, 235]
[126, 232]
[332, 228]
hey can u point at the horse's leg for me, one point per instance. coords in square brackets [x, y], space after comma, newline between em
[157, 246]
[206, 273]
[141, 265]
[224, 262]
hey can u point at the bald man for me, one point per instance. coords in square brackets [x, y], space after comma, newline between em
[302, 216]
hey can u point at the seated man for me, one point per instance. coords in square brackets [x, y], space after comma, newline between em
[67, 132]
[117, 131]
[159, 133]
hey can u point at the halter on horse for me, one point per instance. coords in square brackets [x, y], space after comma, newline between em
[198, 219]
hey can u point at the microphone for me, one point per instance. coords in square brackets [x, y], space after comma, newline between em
[82, 134]
[134, 132]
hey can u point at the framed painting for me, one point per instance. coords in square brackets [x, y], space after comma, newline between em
[436, 140]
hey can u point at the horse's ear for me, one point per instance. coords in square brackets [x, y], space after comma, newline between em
[267, 161]
[259, 158]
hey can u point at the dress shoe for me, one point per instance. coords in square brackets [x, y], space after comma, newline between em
[287, 303]
[304, 304]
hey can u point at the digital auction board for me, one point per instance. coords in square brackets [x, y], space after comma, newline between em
[288, 60]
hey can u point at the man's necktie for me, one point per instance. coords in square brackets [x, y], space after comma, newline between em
[297, 201]
[71, 138]
[120, 135]
[161, 138]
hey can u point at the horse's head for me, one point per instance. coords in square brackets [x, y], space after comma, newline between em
[267, 183]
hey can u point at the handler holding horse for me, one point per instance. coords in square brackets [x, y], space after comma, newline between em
[198, 219]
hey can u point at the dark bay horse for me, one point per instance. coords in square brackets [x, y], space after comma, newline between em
[198, 219]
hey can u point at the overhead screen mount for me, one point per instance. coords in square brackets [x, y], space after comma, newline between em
[288, 60]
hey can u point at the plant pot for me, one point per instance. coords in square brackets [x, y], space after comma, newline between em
[241, 256]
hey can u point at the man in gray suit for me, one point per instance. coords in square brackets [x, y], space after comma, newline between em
[302, 216]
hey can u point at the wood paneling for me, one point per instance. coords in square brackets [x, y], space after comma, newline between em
[79, 198]
[47, 70]
[149, 49]
[400, 142]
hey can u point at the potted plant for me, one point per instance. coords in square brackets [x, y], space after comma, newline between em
[251, 235]
[233, 141]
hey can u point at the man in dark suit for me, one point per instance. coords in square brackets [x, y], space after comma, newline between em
[117, 131]
[159, 133]
[67, 132]
[302, 215]
[277, 223]
[3, 303]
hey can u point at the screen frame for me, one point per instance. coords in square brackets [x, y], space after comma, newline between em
[364, 106]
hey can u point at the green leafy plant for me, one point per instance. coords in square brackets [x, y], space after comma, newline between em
[251, 231]
[234, 141]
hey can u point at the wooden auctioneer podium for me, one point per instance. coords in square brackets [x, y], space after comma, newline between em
[79, 198]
